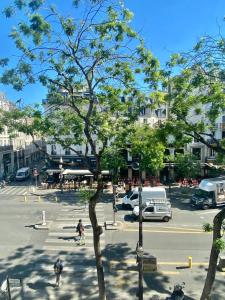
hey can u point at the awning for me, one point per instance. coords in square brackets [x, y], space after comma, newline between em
[82, 172]
[51, 171]
[76, 172]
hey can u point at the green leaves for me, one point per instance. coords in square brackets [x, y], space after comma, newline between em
[219, 244]
[35, 4]
[8, 11]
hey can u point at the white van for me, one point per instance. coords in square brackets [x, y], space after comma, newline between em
[22, 174]
[148, 194]
[155, 210]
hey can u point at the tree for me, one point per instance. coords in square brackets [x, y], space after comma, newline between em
[145, 144]
[188, 165]
[196, 93]
[87, 64]
[196, 99]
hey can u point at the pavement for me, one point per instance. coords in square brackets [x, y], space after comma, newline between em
[34, 252]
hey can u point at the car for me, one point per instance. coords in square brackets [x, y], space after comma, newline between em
[155, 210]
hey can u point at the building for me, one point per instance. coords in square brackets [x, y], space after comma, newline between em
[16, 152]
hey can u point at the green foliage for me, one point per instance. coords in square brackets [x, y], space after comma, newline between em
[207, 227]
[87, 65]
[85, 195]
[197, 89]
[145, 144]
[20, 4]
[188, 165]
[8, 11]
[219, 244]
[35, 4]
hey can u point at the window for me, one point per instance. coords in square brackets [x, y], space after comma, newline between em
[135, 196]
[149, 209]
[67, 152]
[196, 152]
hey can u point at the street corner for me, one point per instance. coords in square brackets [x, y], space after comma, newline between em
[110, 225]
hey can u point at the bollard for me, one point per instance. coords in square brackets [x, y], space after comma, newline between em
[43, 218]
[25, 198]
[39, 198]
[190, 262]
[56, 199]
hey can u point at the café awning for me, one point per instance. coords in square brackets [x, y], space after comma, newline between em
[82, 172]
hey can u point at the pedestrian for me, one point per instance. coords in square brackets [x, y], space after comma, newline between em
[80, 230]
[58, 267]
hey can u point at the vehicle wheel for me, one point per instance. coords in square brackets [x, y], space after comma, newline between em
[123, 206]
[205, 206]
[166, 219]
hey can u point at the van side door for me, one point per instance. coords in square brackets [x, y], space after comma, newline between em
[149, 213]
[134, 199]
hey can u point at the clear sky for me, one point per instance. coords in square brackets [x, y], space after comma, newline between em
[168, 26]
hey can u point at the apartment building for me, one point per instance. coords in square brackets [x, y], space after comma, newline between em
[15, 152]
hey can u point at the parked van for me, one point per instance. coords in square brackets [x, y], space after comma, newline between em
[148, 193]
[155, 210]
[22, 174]
[211, 193]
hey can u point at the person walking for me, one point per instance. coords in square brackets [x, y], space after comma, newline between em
[58, 267]
[80, 230]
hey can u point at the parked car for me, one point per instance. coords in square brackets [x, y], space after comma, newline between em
[155, 210]
[23, 174]
[148, 193]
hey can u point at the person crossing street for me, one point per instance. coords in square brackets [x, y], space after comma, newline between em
[80, 230]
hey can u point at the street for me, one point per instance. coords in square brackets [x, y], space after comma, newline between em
[29, 254]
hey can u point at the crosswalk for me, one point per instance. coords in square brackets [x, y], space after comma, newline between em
[62, 236]
[14, 190]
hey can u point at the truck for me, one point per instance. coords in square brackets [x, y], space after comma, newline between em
[210, 194]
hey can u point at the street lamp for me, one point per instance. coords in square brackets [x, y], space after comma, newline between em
[60, 174]
[170, 140]
[139, 248]
[17, 156]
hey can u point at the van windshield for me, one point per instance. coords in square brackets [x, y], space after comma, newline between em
[20, 174]
[202, 193]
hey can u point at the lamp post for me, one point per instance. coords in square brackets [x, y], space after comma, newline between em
[170, 141]
[60, 174]
[17, 156]
[139, 248]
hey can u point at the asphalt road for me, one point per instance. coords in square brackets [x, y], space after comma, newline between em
[22, 247]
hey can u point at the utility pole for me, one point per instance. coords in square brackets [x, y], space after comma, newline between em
[139, 248]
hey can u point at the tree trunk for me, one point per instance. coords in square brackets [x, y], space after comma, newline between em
[97, 231]
[217, 223]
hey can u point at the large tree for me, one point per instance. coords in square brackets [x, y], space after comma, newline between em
[195, 97]
[87, 60]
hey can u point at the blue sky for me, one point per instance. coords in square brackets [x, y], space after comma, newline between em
[168, 26]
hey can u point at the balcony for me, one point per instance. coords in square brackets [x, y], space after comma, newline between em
[6, 148]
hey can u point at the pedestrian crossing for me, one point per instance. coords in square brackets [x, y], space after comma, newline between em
[62, 236]
[14, 190]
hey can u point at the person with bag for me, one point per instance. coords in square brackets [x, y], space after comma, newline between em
[58, 268]
[80, 230]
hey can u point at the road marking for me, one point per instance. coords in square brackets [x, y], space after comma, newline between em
[153, 272]
[209, 212]
[72, 241]
[75, 248]
[68, 234]
[167, 231]
[169, 263]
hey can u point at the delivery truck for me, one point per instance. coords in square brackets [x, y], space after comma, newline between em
[211, 193]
